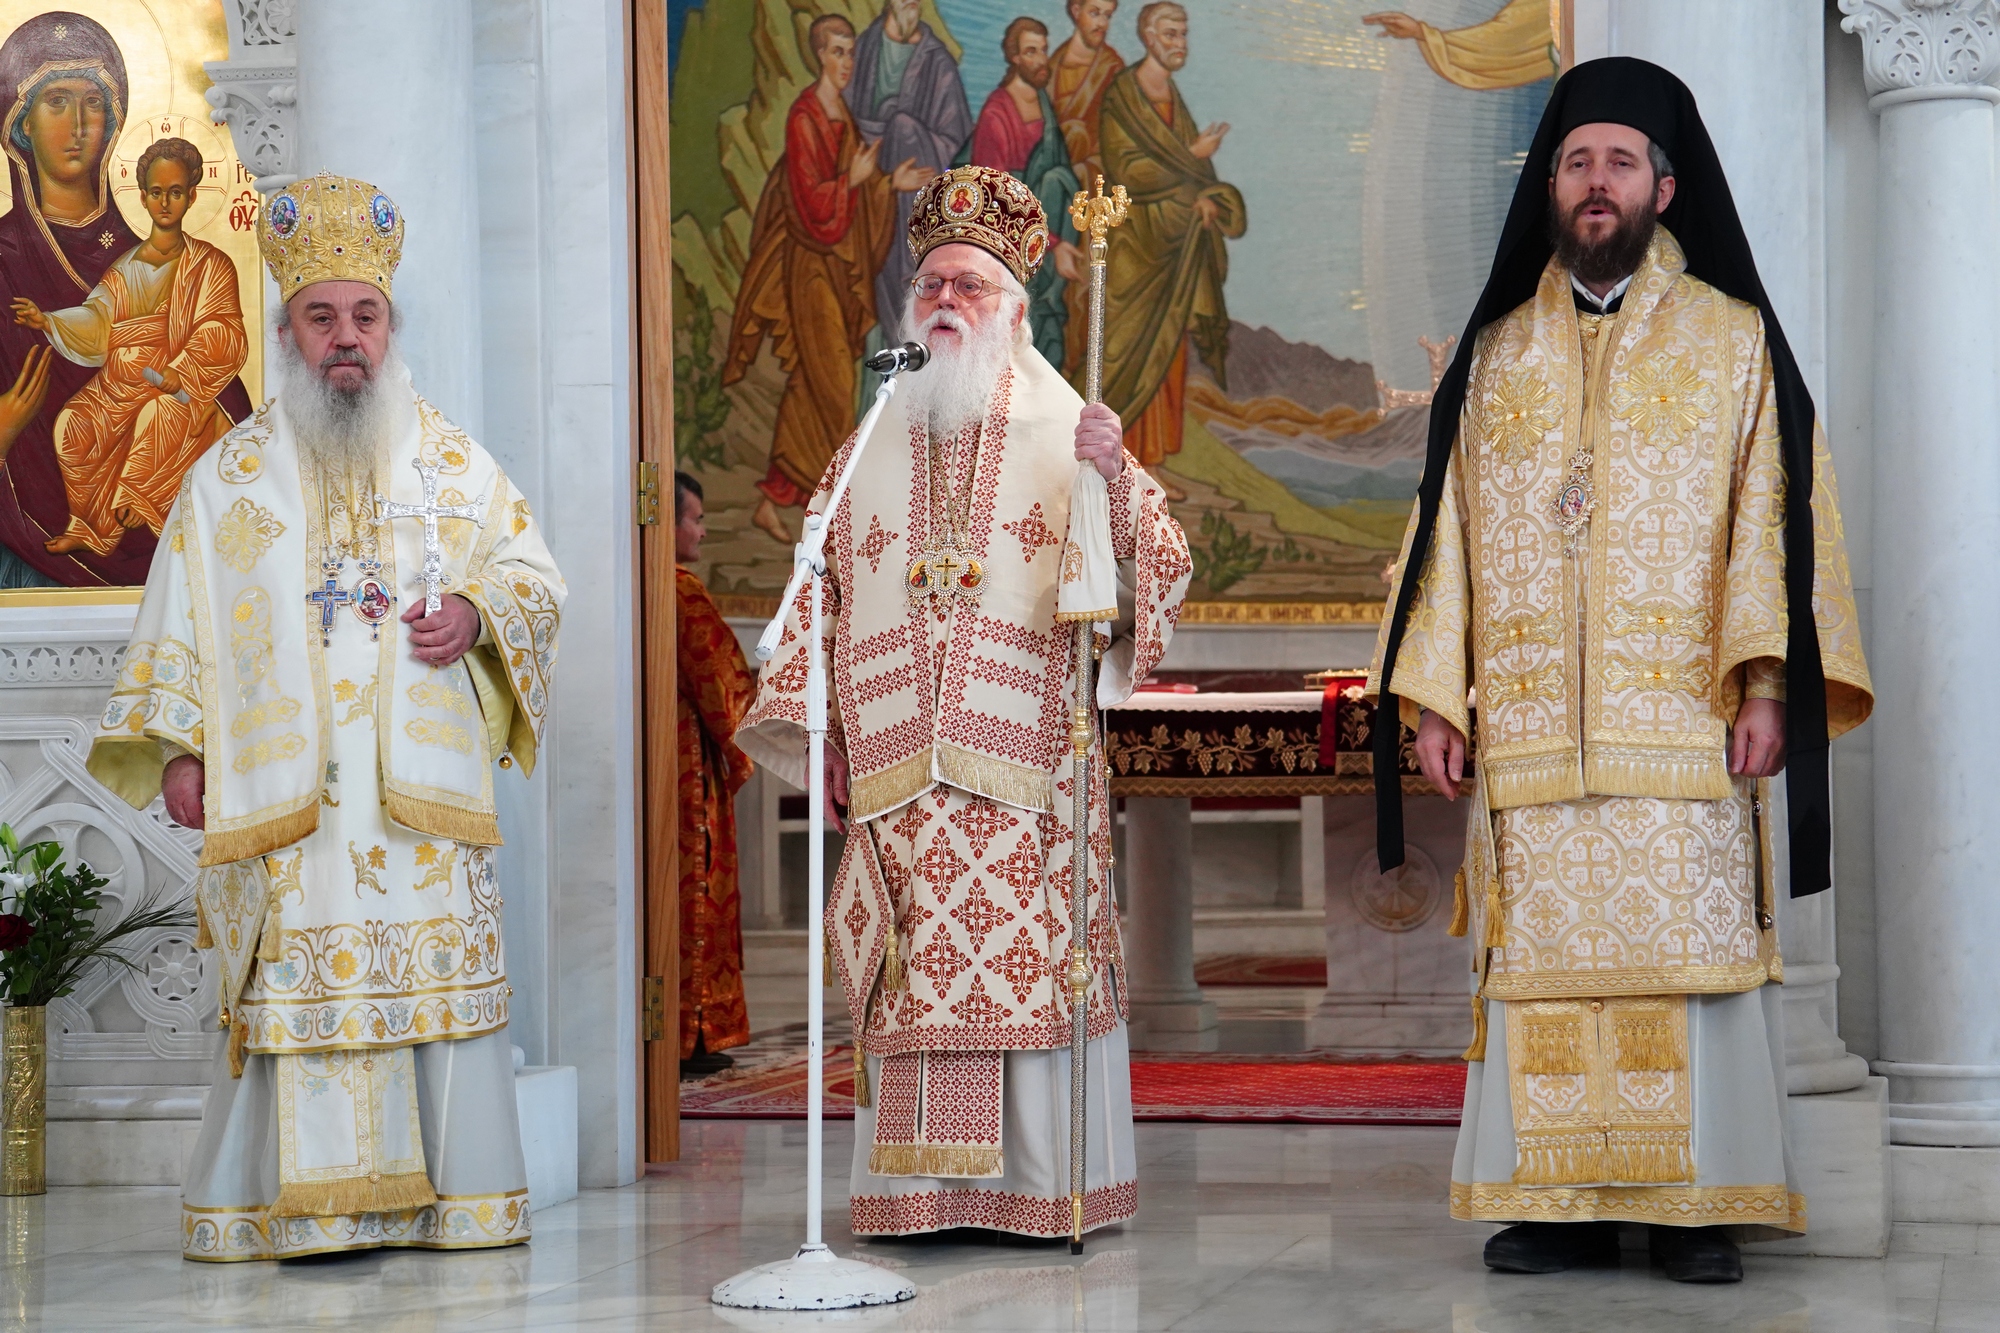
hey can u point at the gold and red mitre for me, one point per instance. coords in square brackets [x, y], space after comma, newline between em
[331, 229]
[984, 207]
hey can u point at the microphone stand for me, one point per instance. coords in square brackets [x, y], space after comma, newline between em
[815, 1278]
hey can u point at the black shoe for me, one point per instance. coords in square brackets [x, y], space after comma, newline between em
[704, 1061]
[1551, 1247]
[1696, 1254]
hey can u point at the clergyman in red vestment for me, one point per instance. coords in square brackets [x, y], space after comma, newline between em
[715, 691]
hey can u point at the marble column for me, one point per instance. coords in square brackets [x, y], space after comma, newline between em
[1159, 927]
[1928, 64]
[385, 93]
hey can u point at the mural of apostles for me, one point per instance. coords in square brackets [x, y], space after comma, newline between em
[119, 353]
[887, 111]
[1272, 300]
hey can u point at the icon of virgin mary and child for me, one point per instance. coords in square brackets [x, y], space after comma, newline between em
[123, 354]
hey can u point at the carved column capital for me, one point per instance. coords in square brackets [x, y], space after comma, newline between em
[1920, 50]
[256, 89]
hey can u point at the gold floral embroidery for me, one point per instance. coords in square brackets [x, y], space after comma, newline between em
[1243, 751]
[440, 690]
[1511, 687]
[437, 865]
[286, 877]
[1523, 628]
[1664, 397]
[366, 866]
[244, 532]
[360, 700]
[522, 516]
[256, 675]
[1689, 677]
[444, 735]
[1524, 408]
[1658, 617]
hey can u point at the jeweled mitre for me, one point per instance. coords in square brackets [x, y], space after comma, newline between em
[331, 229]
[984, 207]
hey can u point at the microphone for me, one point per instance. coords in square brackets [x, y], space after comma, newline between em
[891, 360]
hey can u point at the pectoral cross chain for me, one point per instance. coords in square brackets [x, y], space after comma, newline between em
[430, 511]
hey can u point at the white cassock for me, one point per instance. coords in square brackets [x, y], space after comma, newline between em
[365, 1097]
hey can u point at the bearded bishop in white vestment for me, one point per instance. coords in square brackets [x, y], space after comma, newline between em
[365, 1097]
[949, 920]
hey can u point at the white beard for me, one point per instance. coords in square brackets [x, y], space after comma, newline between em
[339, 433]
[952, 391]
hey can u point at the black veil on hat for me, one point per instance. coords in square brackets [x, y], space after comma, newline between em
[1702, 217]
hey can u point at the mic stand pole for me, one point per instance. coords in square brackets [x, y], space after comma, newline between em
[815, 1278]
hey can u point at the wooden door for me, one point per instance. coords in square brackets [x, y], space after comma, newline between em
[659, 995]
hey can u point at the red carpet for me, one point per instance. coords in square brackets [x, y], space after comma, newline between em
[1271, 1089]
[1253, 969]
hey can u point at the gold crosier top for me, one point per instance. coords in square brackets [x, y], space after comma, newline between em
[1618, 490]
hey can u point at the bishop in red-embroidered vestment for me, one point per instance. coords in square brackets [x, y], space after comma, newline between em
[950, 912]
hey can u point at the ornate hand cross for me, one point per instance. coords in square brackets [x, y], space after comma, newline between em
[329, 599]
[430, 511]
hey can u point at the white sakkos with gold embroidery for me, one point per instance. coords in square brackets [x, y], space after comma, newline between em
[243, 592]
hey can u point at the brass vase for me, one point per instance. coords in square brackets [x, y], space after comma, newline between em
[24, 1069]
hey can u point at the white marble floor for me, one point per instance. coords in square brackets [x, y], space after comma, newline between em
[1242, 1229]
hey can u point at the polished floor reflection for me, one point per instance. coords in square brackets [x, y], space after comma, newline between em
[1242, 1229]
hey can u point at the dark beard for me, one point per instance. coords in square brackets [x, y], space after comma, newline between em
[1616, 256]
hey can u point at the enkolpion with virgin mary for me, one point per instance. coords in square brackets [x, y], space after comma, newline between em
[1626, 574]
[948, 922]
[292, 694]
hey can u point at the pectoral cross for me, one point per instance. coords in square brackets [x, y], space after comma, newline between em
[329, 599]
[946, 573]
[430, 511]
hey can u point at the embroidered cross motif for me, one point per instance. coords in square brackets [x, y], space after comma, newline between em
[1033, 532]
[875, 543]
[329, 599]
[107, 240]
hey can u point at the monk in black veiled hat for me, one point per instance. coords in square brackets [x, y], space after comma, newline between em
[1626, 571]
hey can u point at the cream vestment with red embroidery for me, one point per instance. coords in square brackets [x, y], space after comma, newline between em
[966, 901]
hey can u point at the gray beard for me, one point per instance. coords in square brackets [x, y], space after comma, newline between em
[339, 433]
[952, 391]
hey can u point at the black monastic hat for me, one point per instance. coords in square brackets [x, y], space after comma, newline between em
[1702, 217]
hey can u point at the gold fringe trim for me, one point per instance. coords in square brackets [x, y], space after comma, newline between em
[239, 1036]
[1650, 1157]
[894, 975]
[1550, 1044]
[203, 937]
[1623, 770]
[871, 794]
[270, 942]
[1013, 784]
[1648, 1042]
[947, 1162]
[1726, 979]
[1461, 907]
[1533, 780]
[355, 1194]
[1476, 1053]
[1562, 1157]
[1072, 616]
[864, 1096]
[219, 847]
[478, 827]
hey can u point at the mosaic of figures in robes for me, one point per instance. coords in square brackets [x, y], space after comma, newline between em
[1318, 187]
[130, 291]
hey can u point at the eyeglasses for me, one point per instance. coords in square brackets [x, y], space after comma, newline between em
[969, 286]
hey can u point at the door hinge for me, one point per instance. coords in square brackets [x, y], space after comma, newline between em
[654, 1017]
[646, 499]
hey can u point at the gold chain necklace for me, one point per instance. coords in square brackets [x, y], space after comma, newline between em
[947, 569]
